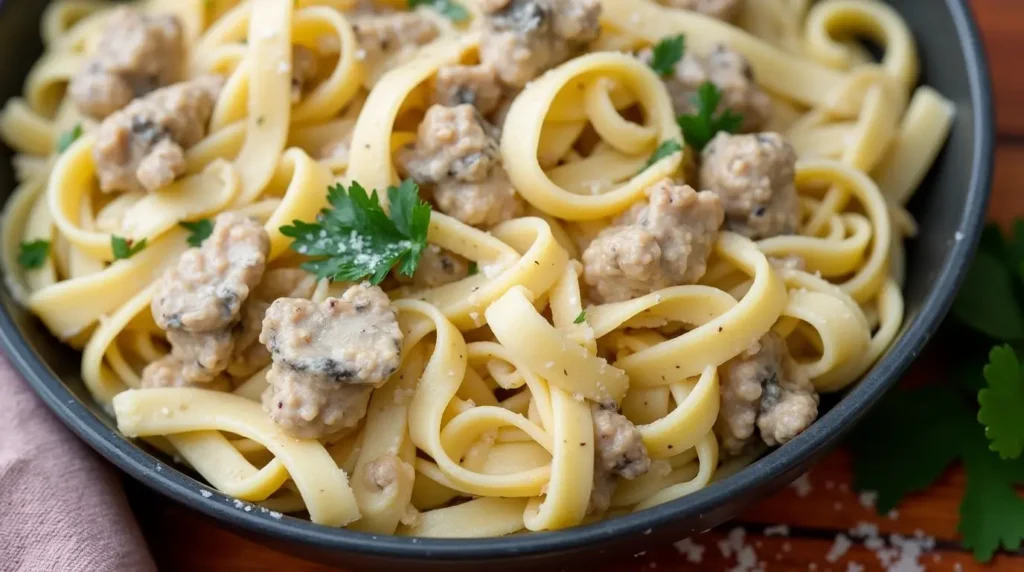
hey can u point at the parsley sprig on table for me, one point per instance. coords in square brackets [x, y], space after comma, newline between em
[355, 239]
[667, 53]
[448, 8]
[907, 443]
[700, 128]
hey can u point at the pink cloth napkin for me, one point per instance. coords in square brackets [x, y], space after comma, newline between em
[61, 506]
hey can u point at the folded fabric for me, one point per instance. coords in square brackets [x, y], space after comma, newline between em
[61, 506]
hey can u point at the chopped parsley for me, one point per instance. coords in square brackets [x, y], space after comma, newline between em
[667, 53]
[68, 137]
[355, 239]
[473, 268]
[125, 248]
[33, 253]
[448, 8]
[701, 128]
[198, 230]
[665, 149]
[581, 318]
[907, 443]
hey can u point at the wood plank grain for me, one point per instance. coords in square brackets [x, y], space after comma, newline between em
[1002, 26]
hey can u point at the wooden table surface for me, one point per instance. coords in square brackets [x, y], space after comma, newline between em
[183, 541]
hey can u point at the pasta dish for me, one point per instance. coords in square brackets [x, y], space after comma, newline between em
[467, 268]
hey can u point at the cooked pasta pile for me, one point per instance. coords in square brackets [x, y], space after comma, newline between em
[656, 233]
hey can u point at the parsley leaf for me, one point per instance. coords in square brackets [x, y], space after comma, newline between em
[913, 436]
[701, 128]
[929, 423]
[33, 254]
[68, 137]
[356, 239]
[1001, 403]
[448, 8]
[987, 302]
[125, 248]
[667, 53]
[665, 149]
[581, 318]
[991, 512]
[473, 269]
[199, 231]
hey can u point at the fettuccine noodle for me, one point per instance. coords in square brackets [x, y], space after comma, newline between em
[586, 334]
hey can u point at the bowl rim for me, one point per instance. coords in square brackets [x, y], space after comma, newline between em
[824, 434]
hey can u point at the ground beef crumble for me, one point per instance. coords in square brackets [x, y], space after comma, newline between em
[142, 147]
[662, 242]
[456, 153]
[136, 54]
[753, 175]
[763, 390]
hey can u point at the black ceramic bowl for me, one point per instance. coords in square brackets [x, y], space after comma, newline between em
[950, 207]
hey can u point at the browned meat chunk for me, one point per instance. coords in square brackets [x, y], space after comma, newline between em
[619, 452]
[207, 288]
[203, 356]
[456, 151]
[437, 267]
[388, 471]
[730, 72]
[524, 38]
[762, 388]
[304, 70]
[753, 175]
[168, 372]
[142, 147]
[328, 357]
[136, 54]
[199, 301]
[663, 242]
[392, 35]
[312, 406]
[354, 339]
[473, 85]
[727, 10]
[251, 356]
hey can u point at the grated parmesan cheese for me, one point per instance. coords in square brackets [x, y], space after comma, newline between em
[839, 548]
[693, 552]
[868, 499]
[802, 485]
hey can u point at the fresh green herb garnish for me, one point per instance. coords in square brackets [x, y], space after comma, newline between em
[701, 128]
[665, 149]
[125, 248]
[910, 440]
[581, 318]
[356, 239]
[667, 53]
[34, 253]
[1002, 402]
[68, 137]
[448, 8]
[473, 269]
[198, 230]
[907, 443]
